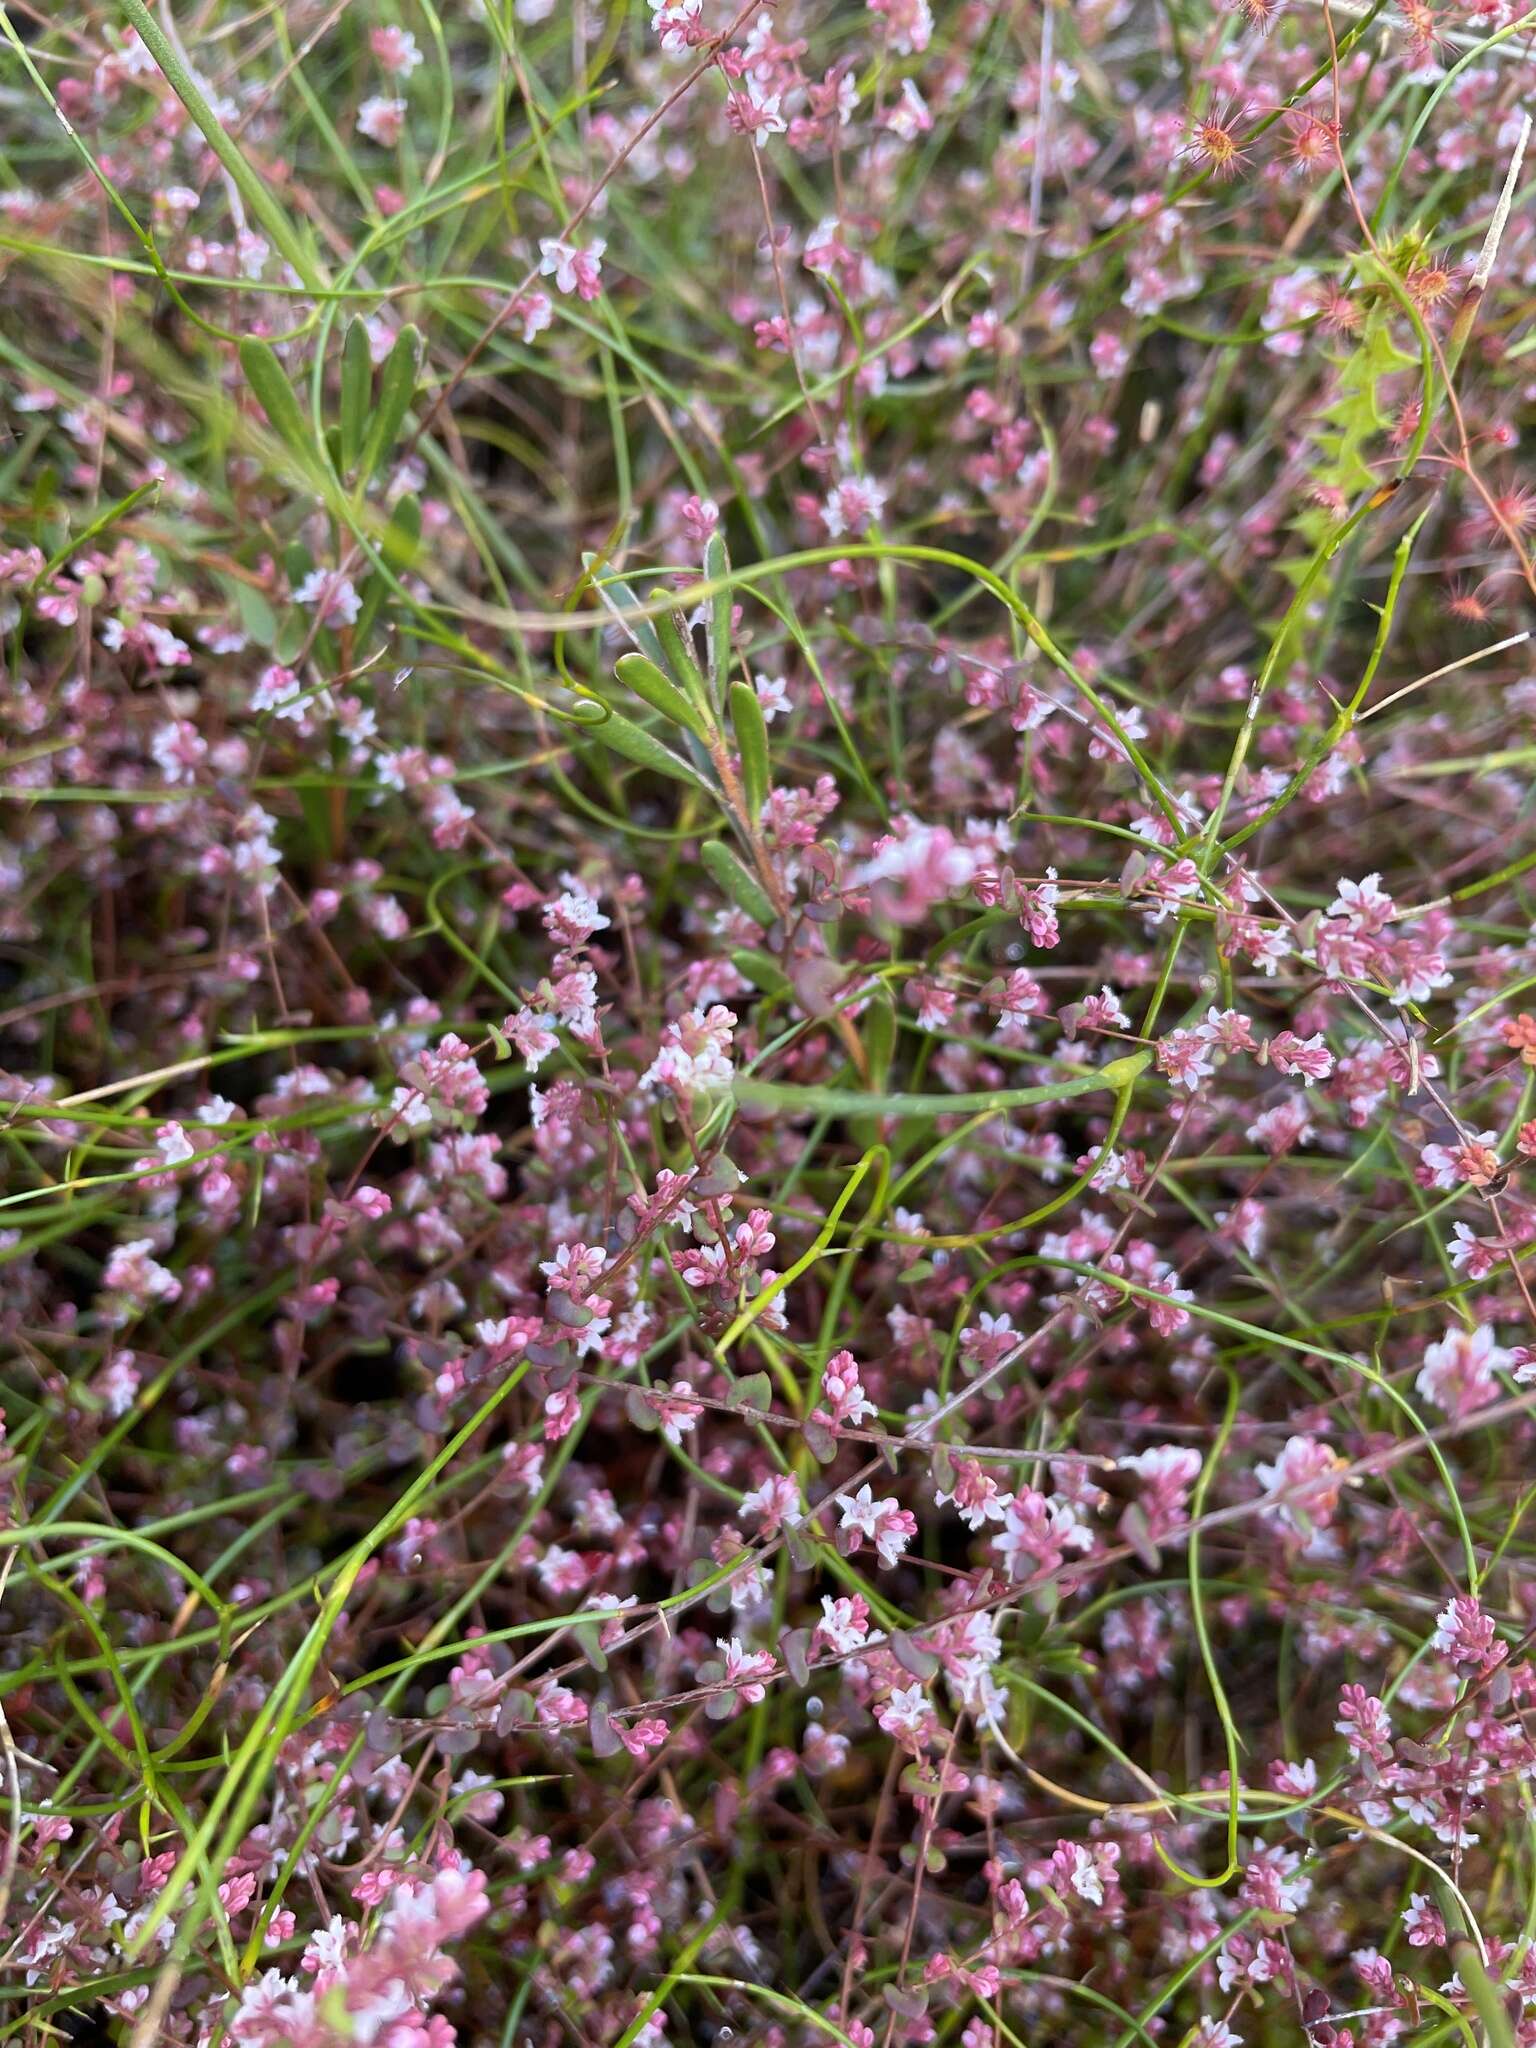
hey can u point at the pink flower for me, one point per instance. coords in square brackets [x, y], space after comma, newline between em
[1457, 1374]
[773, 695]
[1422, 1923]
[912, 870]
[776, 1501]
[889, 1527]
[1363, 906]
[909, 117]
[395, 49]
[977, 1497]
[1364, 1723]
[117, 1384]
[844, 1624]
[1306, 1473]
[694, 1057]
[532, 1037]
[1308, 1057]
[645, 1735]
[136, 1279]
[1167, 1472]
[381, 120]
[756, 111]
[675, 1408]
[1088, 1871]
[531, 312]
[745, 1670]
[853, 506]
[907, 1717]
[562, 1412]
[1473, 1162]
[843, 1397]
[573, 1269]
[1465, 1634]
[1038, 1533]
[678, 24]
[1186, 1057]
[574, 270]
[333, 594]
[1281, 1129]
[1476, 1257]
[908, 24]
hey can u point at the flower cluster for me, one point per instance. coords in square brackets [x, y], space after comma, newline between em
[767, 1061]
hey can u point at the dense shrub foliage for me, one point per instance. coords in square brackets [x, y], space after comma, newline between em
[767, 1109]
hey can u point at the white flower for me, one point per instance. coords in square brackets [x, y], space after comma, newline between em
[906, 1715]
[1085, 1877]
[574, 270]
[853, 506]
[843, 1627]
[694, 1056]
[861, 1510]
[1457, 1373]
[773, 695]
[335, 595]
[673, 21]
[173, 1144]
[381, 120]
[409, 1111]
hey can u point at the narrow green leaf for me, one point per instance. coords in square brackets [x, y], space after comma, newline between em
[316, 807]
[257, 192]
[374, 592]
[640, 674]
[677, 645]
[744, 889]
[761, 971]
[621, 601]
[644, 749]
[878, 1031]
[398, 545]
[275, 395]
[752, 739]
[45, 488]
[96, 526]
[397, 390]
[717, 563]
[402, 537]
[1117, 1074]
[356, 394]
